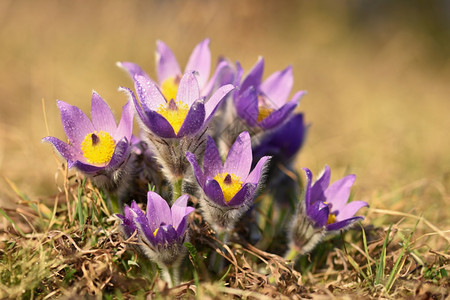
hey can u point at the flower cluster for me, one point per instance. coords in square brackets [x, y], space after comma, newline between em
[217, 140]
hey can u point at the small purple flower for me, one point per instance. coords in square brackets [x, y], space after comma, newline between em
[229, 188]
[184, 115]
[162, 231]
[169, 72]
[96, 146]
[264, 104]
[324, 210]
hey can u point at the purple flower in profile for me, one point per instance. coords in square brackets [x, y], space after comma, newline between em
[162, 231]
[97, 146]
[324, 209]
[184, 115]
[264, 104]
[169, 72]
[230, 187]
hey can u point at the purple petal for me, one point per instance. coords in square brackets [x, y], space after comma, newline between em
[212, 162]
[319, 212]
[194, 119]
[350, 210]
[139, 110]
[213, 102]
[121, 153]
[127, 222]
[344, 223]
[254, 76]
[214, 192]
[142, 223]
[338, 193]
[148, 93]
[278, 86]
[159, 125]
[180, 212]
[321, 184]
[87, 168]
[255, 175]
[132, 69]
[67, 151]
[221, 68]
[75, 122]
[239, 158]
[166, 234]
[102, 117]
[245, 194]
[200, 61]
[247, 106]
[125, 128]
[279, 116]
[188, 90]
[167, 65]
[158, 211]
[197, 171]
[307, 192]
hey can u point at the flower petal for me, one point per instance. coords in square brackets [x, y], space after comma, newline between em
[102, 117]
[200, 61]
[307, 193]
[321, 184]
[197, 171]
[349, 210]
[159, 125]
[180, 212]
[166, 63]
[247, 106]
[125, 128]
[239, 158]
[212, 162]
[254, 77]
[67, 151]
[188, 90]
[338, 193]
[138, 108]
[278, 86]
[194, 119]
[219, 77]
[158, 211]
[245, 194]
[344, 223]
[148, 93]
[319, 214]
[255, 175]
[214, 192]
[120, 155]
[213, 102]
[75, 123]
[142, 223]
[87, 168]
[279, 116]
[132, 69]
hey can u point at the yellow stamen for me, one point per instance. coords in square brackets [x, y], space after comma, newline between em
[155, 232]
[230, 185]
[264, 112]
[174, 112]
[331, 219]
[169, 88]
[98, 147]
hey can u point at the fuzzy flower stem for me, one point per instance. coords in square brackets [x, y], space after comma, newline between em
[171, 275]
[176, 189]
[292, 254]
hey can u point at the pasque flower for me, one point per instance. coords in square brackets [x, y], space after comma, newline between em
[162, 230]
[323, 209]
[264, 104]
[99, 147]
[228, 189]
[169, 72]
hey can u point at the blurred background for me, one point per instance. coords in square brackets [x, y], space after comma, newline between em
[377, 75]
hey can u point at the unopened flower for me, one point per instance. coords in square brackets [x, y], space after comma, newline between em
[161, 232]
[264, 104]
[169, 72]
[229, 188]
[323, 209]
[99, 148]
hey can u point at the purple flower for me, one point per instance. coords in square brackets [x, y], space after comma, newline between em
[169, 72]
[162, 231]
[323, 210]
[264, 104]
[95, 146]
[229, 187]
[184, 115]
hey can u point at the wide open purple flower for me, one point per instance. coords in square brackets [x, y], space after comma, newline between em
[228, 187]
[169, 72]
[264, 104]
[162, 231]
[95, 146]
[184, 115]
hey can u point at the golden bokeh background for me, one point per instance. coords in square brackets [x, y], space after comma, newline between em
[377, 75]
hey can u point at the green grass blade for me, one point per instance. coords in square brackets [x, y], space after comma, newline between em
[382, 263]
[366, 251]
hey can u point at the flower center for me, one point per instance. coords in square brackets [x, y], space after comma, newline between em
[230, 185]
[264, 109]
[331, 219]
[169, 87]
[155, 232]
[174, 112]
[98, 147]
